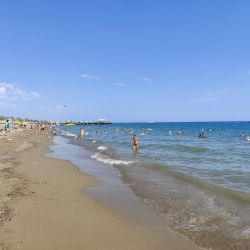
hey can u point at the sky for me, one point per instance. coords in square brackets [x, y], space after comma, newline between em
[125, 60]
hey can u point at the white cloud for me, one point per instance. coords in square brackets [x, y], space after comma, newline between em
[35, 94]
[187, 81]
[210, 96]
[57, 108]
[61, 106]
[11, 92]
[248, 71]
[87, 76]
[145, 79]
[2, 93]
[119, 84]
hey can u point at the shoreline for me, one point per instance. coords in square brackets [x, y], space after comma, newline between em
[54, 206]
[186, 180]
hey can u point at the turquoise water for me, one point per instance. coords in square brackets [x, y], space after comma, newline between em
[201, 185]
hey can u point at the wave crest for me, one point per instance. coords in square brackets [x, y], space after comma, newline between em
[105, 159]
[101, 148]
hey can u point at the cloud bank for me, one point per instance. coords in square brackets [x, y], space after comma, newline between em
[10, 93]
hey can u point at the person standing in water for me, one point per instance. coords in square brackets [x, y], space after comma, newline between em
[53, 131]
[81, 132]
[136, 142]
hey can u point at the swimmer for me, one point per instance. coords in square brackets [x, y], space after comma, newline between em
[202, 136]
[136, 142]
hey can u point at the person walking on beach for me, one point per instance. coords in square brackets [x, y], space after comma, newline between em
[5, 128]
[136, 142]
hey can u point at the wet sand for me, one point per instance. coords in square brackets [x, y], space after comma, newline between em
[46, 207]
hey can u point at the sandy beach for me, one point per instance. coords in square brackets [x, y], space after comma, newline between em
[43, 205]
[124, 125]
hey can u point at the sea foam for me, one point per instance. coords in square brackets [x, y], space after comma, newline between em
[101, 148]
[105, 159]
[69, 134]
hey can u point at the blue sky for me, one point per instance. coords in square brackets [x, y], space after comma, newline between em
[125, 60]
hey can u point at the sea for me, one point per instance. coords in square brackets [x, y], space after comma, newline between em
[200, 185]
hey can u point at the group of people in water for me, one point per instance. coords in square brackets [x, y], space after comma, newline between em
[201, 135]
[135, 138]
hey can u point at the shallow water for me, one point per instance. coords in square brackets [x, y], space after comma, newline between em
[113, 192]
[201, 186]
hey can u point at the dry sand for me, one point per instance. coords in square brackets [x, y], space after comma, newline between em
[44, 207]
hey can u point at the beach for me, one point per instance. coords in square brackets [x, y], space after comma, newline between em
[47, 206]
[124, 125]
